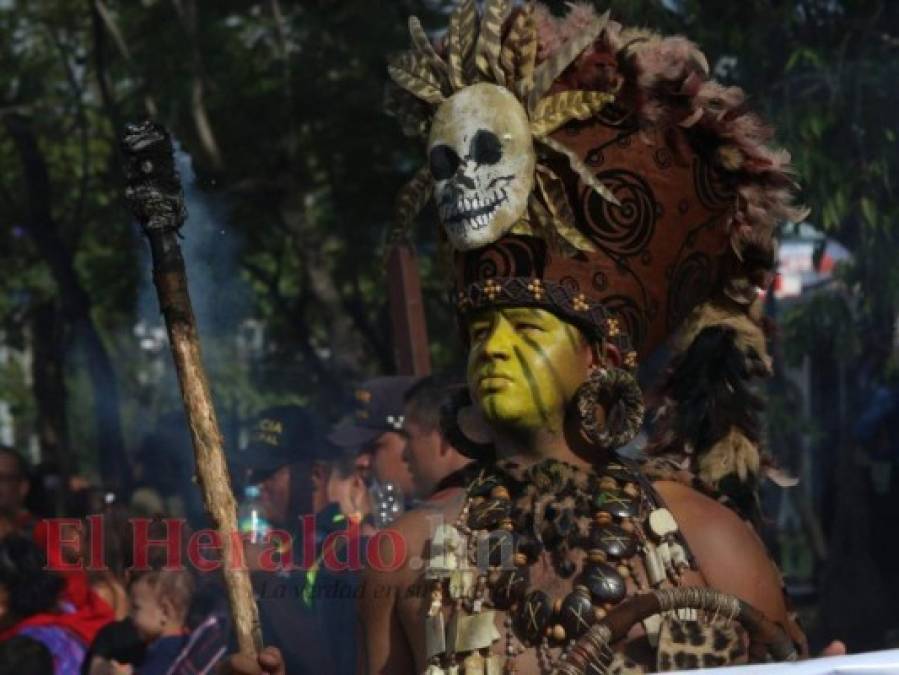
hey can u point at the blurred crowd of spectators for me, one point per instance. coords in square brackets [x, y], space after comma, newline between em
[63, 611]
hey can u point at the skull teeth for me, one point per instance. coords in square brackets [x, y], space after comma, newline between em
[471, 212]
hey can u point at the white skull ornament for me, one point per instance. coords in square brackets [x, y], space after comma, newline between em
[482, 160]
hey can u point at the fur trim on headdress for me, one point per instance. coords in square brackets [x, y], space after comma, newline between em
[749, 336]
[708, 422]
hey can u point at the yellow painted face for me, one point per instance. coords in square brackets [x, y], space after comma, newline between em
[524, 366]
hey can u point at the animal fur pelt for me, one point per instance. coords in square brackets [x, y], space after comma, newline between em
[708, 424]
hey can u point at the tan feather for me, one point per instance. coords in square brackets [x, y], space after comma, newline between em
[422, 44]
[540, 218]
[410, 201]
[555, 65]
[522, 228]
[518, 56]
[582, 170]
[409, 111]
[462, 38]
[410, 71]
[554, 111]
[553, 191]
[490, 40]
[543, 225]
[734, 454]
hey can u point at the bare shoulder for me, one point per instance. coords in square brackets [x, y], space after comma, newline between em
[389, 614]
[408, 537]
[731, 556]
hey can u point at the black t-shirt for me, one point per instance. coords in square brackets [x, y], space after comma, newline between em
[310, 615]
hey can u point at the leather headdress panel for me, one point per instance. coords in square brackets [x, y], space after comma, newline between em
[696, 192]
[658, 254]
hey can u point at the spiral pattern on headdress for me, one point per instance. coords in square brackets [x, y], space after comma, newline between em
[711, 189]
[508, 257]
[691, 283]
[623, 230]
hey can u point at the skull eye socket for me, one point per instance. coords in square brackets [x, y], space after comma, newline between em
[486, 147]
[444, 162]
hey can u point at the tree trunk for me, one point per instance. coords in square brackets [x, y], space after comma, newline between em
[50, 395]
[48, 383]
[348, 353]
[74, 300]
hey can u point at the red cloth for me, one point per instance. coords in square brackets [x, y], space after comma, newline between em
[90, 611]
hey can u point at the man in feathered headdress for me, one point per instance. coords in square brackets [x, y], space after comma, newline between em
[596, 192]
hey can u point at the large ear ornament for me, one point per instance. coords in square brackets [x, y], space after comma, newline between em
[609, 408]
[464, 427]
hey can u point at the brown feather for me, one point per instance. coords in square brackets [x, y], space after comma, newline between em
[462, 39]
[412, 113]
[582, 170]
[554, 111]
[555, 65]
[410, 201]
[422, 44]
[518, 56]
[553, 191]
[748, 331]
[411, 72]
[490, 40]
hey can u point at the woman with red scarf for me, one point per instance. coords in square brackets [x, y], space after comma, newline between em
[60, 612]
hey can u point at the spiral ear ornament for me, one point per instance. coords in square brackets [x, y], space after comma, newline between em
[461, 426]
[617, 392]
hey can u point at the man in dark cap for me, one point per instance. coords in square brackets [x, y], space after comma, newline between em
[286, 457]
[376, 430]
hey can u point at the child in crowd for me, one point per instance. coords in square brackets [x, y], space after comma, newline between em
[159, 606]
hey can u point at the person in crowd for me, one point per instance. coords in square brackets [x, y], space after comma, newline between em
[160, 600]
[347, 491]
[14, 487]
[432, 459]
[123, 645]
[287, 458]
[110, 582]
[117, 648]
[32, 605]
[333, 589]
[97, 596]
[376, 430]
[23, 655]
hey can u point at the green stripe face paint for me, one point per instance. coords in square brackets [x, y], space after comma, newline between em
[524, 366]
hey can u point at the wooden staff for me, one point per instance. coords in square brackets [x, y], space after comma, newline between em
[154, 194]
[410, 331]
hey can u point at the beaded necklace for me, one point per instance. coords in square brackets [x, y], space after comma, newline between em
[511, 517]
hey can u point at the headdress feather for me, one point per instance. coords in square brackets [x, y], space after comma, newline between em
[490, 40]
